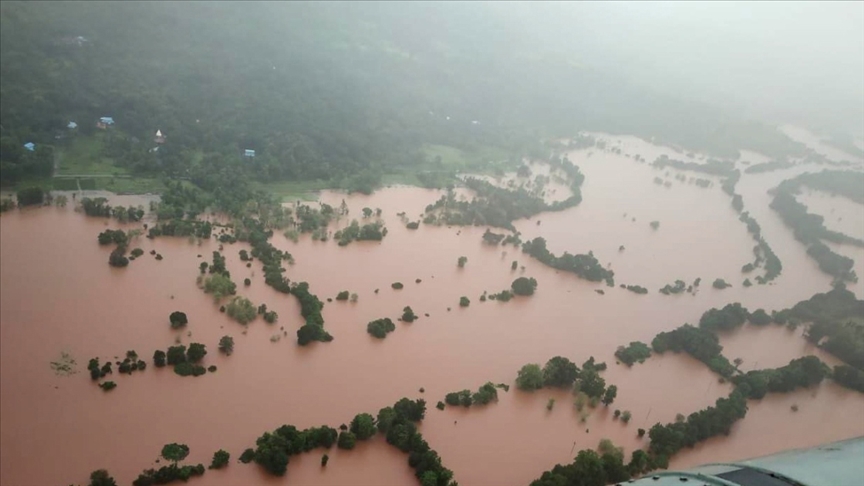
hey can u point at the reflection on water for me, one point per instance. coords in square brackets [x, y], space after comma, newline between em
[59, 294]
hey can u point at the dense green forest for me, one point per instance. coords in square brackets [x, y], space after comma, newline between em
[336, 93]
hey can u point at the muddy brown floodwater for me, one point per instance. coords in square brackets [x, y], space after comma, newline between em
[59, 295]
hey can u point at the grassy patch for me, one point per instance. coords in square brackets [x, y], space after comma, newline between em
[83, 155]
[128, 185]
[480, 159]
[64, 366]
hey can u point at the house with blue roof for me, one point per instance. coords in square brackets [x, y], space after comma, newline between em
[72, 125]
[249, 153]
[107, 120]
[30, 146]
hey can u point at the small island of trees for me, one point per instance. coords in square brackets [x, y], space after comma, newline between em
[486, 394]
[585, 266]
[633, 352]
[408, 315]
[524, 286]
[380, 327]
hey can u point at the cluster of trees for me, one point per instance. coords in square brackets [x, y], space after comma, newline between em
[273, 449]
[666, 440]
[799, 373]
[310, 309]
[167, 474]
[371, 231]
[129, 364]
[408, 315]
[503, 296]
[220, 459]
[846, 183]
[241, 310]
[585, 266]
[499, 207]
[19, 163]
[99, 207]
[720, 284]
[181, 228]
[697, 342]
[832, 263]
[491, 238]
[560, 372]
[764, 254]
[633, 352]
[492, 205]
[494, 239]
[178, 319]
[769, 166]
[680, 286]
[117, 257]
[590, 468]
[849, 377]
[637, 289]
[524, 286]
[101, 477]
[836, 327]
[185, 362]
[30, 196]
[270, 317]
[487, 393]
[728, 318]
[810, 228]
[226, 345]
[380, 327]
[109, 236]
[398, 423]
[6, 204]
[220, 285]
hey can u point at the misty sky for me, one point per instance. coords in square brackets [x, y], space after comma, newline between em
[777, 60]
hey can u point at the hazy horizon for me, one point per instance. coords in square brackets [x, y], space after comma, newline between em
[794, 62]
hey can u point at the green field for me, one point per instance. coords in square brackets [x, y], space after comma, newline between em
[452, 158]
[129, 185]
[83, 155]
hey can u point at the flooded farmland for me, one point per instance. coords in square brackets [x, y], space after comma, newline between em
[86, 309]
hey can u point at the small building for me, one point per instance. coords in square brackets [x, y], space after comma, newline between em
[30, 146]
[107, 120]
[249, 153]
[159, 138]
[72, 125]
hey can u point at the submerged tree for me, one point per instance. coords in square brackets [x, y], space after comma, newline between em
[530, 377]
[524, 286]
[220, 459]
[226, 345]
[175, 452]
[178, 319]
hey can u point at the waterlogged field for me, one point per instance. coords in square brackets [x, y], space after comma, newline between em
[59, 296]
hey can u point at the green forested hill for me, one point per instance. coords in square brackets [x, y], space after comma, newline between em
[338, 91]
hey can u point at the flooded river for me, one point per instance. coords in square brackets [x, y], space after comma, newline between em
[59, 295]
